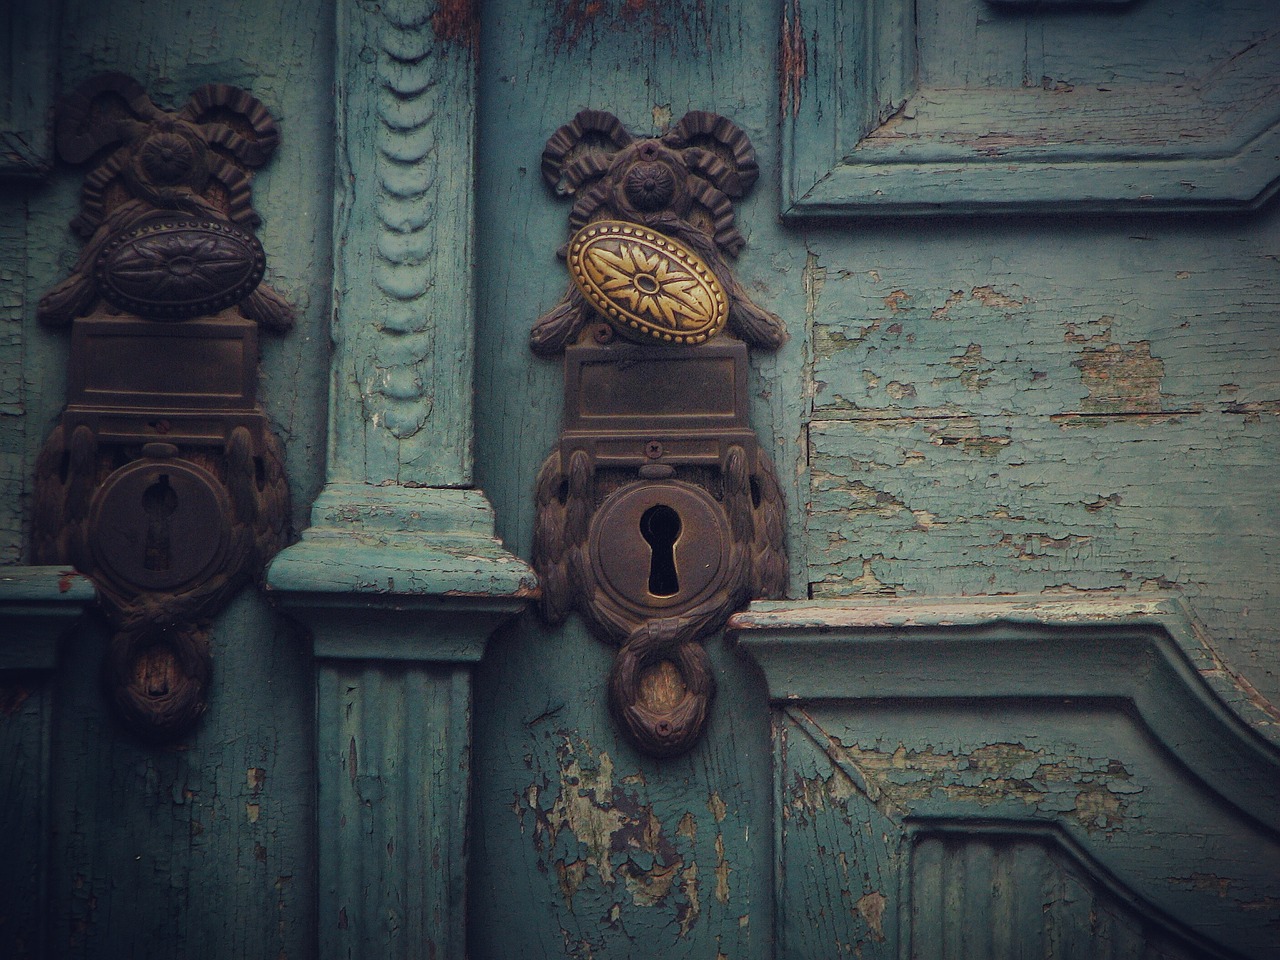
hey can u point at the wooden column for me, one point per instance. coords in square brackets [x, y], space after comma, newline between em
[400, 576]
[38, 605]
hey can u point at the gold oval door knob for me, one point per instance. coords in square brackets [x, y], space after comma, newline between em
[649, 287]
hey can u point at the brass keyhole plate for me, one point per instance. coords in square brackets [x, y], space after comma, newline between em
[691, 525]
[159, 534]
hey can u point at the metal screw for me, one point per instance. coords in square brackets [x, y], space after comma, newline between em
[602, 333]
[653, 449]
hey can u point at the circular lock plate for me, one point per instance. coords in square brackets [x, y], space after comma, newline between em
[622, 557]
[159, 524]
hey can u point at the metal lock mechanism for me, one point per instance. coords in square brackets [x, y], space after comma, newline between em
[162, 481]
[659, 545]
[658, 515]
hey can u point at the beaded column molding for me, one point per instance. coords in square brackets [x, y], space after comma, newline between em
[163, 482]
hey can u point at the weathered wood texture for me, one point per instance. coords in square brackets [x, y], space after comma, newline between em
[403, 304]
[894, 106]
[1066, 777]
[37, 608]
[27, 68]
[13, 465]
[581, 847]
[26, 714]
[400, 577]
[1028, 415]
[967, 406]
[205, 849]
[393, 752]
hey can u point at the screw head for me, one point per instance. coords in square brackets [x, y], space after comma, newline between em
[602, 333]
[653, 449]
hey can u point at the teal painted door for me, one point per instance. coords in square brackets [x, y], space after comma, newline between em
[1024, 361]
[1021, 697]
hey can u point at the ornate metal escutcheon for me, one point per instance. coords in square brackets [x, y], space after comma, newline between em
[162, 481]
[659, 514]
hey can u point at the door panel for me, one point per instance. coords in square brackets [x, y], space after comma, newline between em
[581, 846]
[1077, 411]
[977, 406]
[204, 848]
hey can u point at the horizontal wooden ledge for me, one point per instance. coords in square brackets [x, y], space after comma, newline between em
[401, 573]
[395, 542]
[1146, 656]
[38, 605]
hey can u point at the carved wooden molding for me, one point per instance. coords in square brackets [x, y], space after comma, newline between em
[163, 482]
[1093, 744]
[861, 136]
[403, 288]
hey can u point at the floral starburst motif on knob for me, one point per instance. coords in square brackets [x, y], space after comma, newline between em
[648, 286]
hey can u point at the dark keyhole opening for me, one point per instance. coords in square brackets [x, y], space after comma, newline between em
[159, 502]
[660, 527]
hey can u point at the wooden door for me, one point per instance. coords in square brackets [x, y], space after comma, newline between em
[1020, 697]
[1030, 356]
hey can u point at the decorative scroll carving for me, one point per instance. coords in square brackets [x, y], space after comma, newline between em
[169, 168]
[681, 185]
[163, 482]
[659, 515]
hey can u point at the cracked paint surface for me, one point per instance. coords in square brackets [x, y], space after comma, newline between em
[615, 855]
[1094, 792]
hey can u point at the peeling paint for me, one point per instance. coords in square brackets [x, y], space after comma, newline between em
[1254, 410]
[974, 369]
[1204, 882]
[599, 835]
[570, 876]
[716, 806]
[991, 297]
[649, 888]
[687, 912]
[965, 433]
[1120, 378]
[870, 907]
[792, 60]
[895, 301]
[1094, 792]
[658, 20]
[661, 117]
[722, 872]
[584, 807]
[1095, 331]
[953, 298]
[865, 584]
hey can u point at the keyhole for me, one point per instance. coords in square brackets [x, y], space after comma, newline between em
[660, 527]
[159, 502]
